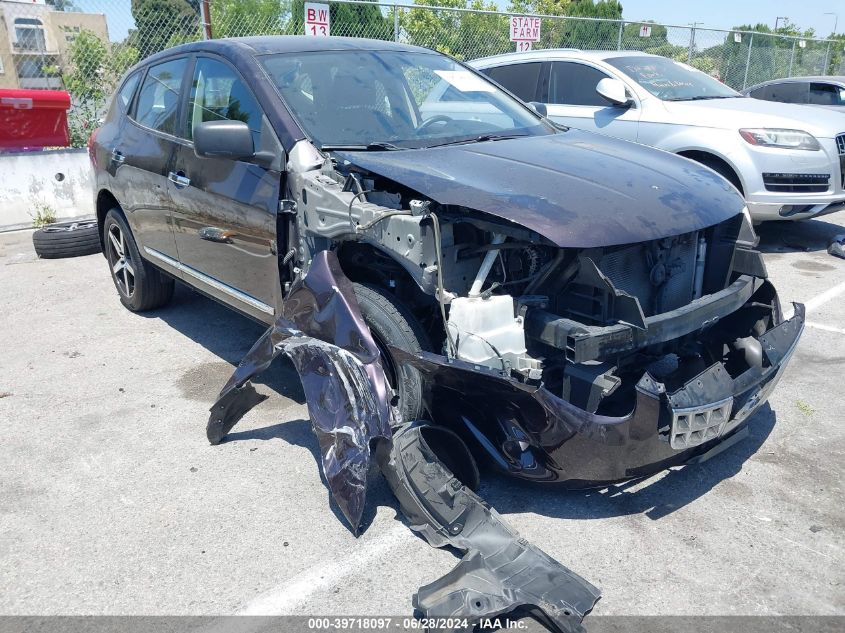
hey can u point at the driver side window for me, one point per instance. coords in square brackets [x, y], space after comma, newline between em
[219, 94]
[571, 83]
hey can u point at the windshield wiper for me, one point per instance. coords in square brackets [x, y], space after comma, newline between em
[377, 146]
[479, 139]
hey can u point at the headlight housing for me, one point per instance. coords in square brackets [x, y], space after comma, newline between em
[779, 137]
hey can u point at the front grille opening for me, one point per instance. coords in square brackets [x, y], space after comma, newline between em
[796, 183]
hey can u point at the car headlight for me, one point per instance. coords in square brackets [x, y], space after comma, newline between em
[777, 137]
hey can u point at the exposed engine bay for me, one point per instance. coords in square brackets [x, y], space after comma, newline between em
[579, 321]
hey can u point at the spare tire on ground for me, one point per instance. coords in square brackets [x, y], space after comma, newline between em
[67, 239]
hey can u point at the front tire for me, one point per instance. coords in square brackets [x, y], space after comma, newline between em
[140, 286]
[392, 324]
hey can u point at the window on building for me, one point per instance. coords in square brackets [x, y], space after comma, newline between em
[29, 34]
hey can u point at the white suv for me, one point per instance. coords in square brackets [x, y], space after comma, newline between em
[787, 160]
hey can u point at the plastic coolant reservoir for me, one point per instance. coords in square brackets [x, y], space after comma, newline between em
[480, 325]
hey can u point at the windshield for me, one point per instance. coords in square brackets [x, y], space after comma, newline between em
[384, 99]
[671, 81]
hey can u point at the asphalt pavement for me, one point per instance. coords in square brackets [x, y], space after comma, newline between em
[113, 502]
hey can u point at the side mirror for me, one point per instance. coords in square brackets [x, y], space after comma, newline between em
[614, 91]
[539, 108]
[223, 139]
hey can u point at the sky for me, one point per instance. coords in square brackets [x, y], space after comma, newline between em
[722, 14]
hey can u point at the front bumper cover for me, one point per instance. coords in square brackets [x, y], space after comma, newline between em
[531, 433]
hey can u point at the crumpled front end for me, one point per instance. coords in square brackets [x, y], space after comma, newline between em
[712, 364]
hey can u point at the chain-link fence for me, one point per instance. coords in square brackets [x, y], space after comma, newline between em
[84, 46]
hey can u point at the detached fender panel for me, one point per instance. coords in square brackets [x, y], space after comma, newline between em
[344, 383]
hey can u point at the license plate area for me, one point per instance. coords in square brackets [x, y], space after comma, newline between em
[696, 425]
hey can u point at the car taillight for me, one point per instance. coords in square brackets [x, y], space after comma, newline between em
[91, 152]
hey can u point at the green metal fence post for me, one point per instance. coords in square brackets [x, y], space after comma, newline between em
[619, 37]
[395, 23]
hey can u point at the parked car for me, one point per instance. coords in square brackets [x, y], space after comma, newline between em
[578, 307]
[825, 91]
[787, 161]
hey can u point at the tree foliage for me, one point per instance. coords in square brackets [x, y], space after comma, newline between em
[238, 18]
[163, 23]
[462, 35]
[93, 69]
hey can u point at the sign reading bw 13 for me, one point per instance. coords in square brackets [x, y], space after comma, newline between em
[524, 31]
[317, 19]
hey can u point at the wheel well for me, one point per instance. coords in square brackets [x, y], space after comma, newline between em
[365, 264]
[105, 201]
[717, 164]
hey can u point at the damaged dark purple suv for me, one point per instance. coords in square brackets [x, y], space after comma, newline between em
[568, 306]
[577, 308]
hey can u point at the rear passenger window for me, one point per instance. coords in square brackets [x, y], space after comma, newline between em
[219, 94]
[792, 92]
[575, 84]
[158, 100]
[826, 94]
[520, 79]
[124, 95]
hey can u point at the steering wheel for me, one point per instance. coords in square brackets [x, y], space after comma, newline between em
[437, 118]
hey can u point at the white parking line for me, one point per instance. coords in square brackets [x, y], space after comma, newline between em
[283, 599]
[819, 300]
[826, 328]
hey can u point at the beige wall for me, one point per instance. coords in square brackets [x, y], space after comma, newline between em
[64, 27]
[8, 77]
[60, 29]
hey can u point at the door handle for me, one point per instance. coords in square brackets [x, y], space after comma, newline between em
[117, 156]
[179, 178]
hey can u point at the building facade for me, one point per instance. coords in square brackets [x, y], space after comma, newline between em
[35, 39]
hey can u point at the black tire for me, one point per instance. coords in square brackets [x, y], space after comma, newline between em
[392, 324]
[145, 287]
[67, 239]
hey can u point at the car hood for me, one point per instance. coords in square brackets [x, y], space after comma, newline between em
[747, 112]
[577, 189]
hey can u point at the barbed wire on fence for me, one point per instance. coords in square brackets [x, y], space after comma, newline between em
[54, 44]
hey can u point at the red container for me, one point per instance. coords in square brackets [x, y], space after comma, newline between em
[32, 119]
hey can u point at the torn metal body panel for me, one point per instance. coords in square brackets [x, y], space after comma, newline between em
[526, 430]
[500, 572]
[346, 391]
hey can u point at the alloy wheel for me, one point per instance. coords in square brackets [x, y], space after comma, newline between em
[120, 260]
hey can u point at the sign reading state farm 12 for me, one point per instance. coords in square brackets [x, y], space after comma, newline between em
[317, 19]
[524, 31]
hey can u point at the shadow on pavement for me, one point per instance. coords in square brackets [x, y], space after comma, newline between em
[226, 334]
[806, 235]
[230, 335]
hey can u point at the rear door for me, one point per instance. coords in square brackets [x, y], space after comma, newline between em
[141, 157]
[225, 210]
[571, 99]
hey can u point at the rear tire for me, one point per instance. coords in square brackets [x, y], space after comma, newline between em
[392, 324]
[67, 239]
[140, 286]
